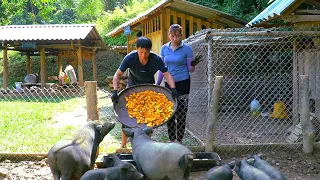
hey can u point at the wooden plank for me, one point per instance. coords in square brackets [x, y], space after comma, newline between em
[163, 21]
[295, 73]
[206, 24]
[174, 14]
[183, 24]
[191, 25]
[199, 24]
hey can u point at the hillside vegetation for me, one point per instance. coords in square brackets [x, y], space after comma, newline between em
[106, 14]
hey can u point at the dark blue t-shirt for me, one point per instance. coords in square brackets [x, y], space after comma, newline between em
[142, 74]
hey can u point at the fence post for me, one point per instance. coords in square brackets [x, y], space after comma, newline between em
[213, 114]
[308, 130]
[210, 71]
[92, 100]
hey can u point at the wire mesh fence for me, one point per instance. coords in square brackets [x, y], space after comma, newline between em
[260, 92]
[259, 104]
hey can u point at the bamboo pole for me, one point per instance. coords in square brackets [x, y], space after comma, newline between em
[43, 67]
[308, 130]
[92, 100]
[5, 64]
[213, 114]
[28, 63]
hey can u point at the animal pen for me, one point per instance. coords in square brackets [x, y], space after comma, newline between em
[257, 65]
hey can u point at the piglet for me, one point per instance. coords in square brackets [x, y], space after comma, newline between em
[70, 159]
[221, 172]
[158, 160]
[264, 166]
[120, 171]
[247, 172]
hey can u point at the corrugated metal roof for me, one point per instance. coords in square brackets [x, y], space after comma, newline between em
[51, 32]
[273, 10]
[182, 6]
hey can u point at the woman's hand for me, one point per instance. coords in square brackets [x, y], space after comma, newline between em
[196, 60]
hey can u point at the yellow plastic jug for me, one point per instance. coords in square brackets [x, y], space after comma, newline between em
[279, 110]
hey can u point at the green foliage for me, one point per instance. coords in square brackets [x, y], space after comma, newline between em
[111, 20]
[243, 9]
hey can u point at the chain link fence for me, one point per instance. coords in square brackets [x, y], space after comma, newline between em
[259, 104]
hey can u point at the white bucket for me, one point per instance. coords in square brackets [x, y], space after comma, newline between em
[19, 86]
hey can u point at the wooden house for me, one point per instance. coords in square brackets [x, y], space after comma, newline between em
[155, 22]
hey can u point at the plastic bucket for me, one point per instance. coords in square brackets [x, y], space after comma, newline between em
[19, 86]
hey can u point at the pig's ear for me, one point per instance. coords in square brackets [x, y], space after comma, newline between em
[128, 132]
[148, 131]
[99, 127]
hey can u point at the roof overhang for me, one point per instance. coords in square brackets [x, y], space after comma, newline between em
[285, 9]
[188, 8]
[27, 38]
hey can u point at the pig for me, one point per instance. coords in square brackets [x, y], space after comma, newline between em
[120, 171]
[264, 166]
[247, 172]
[221, 172]
[157, 160]
[70, 159]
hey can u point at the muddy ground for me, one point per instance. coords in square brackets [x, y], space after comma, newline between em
[295, 165]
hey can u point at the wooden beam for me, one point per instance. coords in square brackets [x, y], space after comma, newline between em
[301, 18]
[43, 67]
[80, 69]
[306, 12]
[295, 5]
[28, 63]
[5, 64]
[94, 65]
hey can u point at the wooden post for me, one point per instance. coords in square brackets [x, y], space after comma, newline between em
[308, 130]
[295, 86]
[59, 63]
[213, 114]
[43, 67]
[92, 100]
[94, 65]
[28, 63]
[210, 70]
[80, 70]
[5, 64]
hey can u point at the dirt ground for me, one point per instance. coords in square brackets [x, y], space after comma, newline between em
[295, 165]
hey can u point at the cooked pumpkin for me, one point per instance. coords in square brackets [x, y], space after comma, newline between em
[149, 107]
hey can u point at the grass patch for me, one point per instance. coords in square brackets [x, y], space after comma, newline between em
[26, 125]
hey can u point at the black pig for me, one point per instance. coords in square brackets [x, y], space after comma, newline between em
[70, 159]
[158, 160]
[120, 171]
[247, 172]
[264, 166]
[221, 172]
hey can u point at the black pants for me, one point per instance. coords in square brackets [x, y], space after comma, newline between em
[176, 129]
